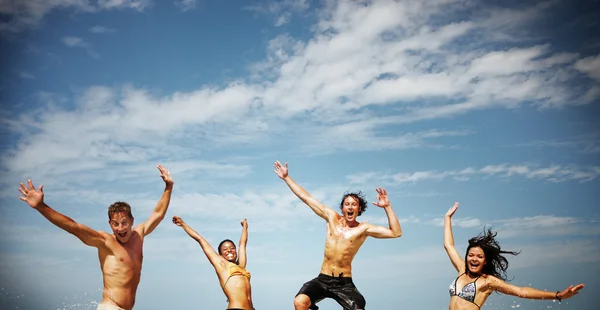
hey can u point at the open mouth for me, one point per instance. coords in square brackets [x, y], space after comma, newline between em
[122, 235]
[350, 214]
[229, 255]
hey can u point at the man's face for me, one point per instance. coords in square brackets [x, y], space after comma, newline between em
[228, 252]
[350, 209]
[121, 225]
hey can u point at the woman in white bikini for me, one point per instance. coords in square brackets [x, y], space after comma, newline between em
[230, 267]
[483, 271]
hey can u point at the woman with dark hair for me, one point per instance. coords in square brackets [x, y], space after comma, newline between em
[483, 271]
[230, 267]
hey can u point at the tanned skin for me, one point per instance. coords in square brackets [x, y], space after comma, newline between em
[236, 288]
[120, 253]
[487, 284]
[345, 235]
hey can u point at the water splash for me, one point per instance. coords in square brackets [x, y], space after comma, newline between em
[11, 300]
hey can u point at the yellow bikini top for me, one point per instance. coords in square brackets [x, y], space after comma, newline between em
[236, 270]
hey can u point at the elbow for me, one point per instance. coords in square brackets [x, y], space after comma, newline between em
[397, 234]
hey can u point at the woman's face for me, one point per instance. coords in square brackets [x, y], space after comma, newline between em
[475, 260]
[228, 252]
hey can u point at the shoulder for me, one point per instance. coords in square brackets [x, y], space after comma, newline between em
[492, 282]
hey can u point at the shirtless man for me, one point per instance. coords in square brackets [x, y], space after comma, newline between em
[344, 237]
[120, 253]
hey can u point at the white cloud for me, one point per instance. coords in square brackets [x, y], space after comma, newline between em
[590, 66]
[77, 42]
[185, 5]
[101, 29]
[554, 173]
[325, 91]
[281, 10]
[589, 143]
[28, 14]
[26, 75]
[467, 222]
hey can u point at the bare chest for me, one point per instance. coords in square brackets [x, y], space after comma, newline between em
[343, 237]
[124, 257]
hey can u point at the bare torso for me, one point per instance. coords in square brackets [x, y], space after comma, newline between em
[121, 267]
[236, 288]
[341, 245]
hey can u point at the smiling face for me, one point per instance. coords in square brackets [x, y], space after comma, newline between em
[350, 208]
[121, 225]
[475, 260]
[227, 250]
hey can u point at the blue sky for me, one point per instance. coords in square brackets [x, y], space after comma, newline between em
[493, 104]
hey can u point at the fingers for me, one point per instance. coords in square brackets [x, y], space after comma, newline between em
[41, 189]
[30, 184]
[23, 191]
[381, 191]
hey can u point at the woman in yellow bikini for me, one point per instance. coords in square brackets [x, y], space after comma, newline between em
[229, 264]
[483, 271]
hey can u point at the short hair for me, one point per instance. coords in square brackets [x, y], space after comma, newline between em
[362, 202]
[119, 207]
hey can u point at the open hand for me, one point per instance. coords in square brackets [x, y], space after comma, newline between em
[451, 211]
[282, 171]
[570, 291]
[382, 197]
[33, 197]
[178, 221]
[165, 175]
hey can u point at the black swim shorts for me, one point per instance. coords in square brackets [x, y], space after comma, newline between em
[341, 289]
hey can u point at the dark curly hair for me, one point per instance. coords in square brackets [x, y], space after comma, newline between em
[496, 264]
[360, 197]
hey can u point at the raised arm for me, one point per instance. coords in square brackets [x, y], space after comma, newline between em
[163, 203]
[210, 253]
[532, 293]
[317, 207]
[455, 258]
[35, 199]
[242, 259]
[394, 230]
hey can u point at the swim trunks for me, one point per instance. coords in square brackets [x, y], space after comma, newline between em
[108, 307]
[341, 289]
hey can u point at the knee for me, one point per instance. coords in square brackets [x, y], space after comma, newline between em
[301, 302]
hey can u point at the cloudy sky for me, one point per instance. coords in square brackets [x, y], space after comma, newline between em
[490, 103]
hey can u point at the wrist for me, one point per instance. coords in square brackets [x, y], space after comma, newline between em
[557, 296]
[41, 206]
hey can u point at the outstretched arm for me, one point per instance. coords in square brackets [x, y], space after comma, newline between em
[210, 253]
[242, 259]
[35, 199]
[163, 203]
[532, 293]
[394, 230]
[315, 205]
[455, 258]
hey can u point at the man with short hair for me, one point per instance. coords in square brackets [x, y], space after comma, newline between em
[120, 253]
[344, 238]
